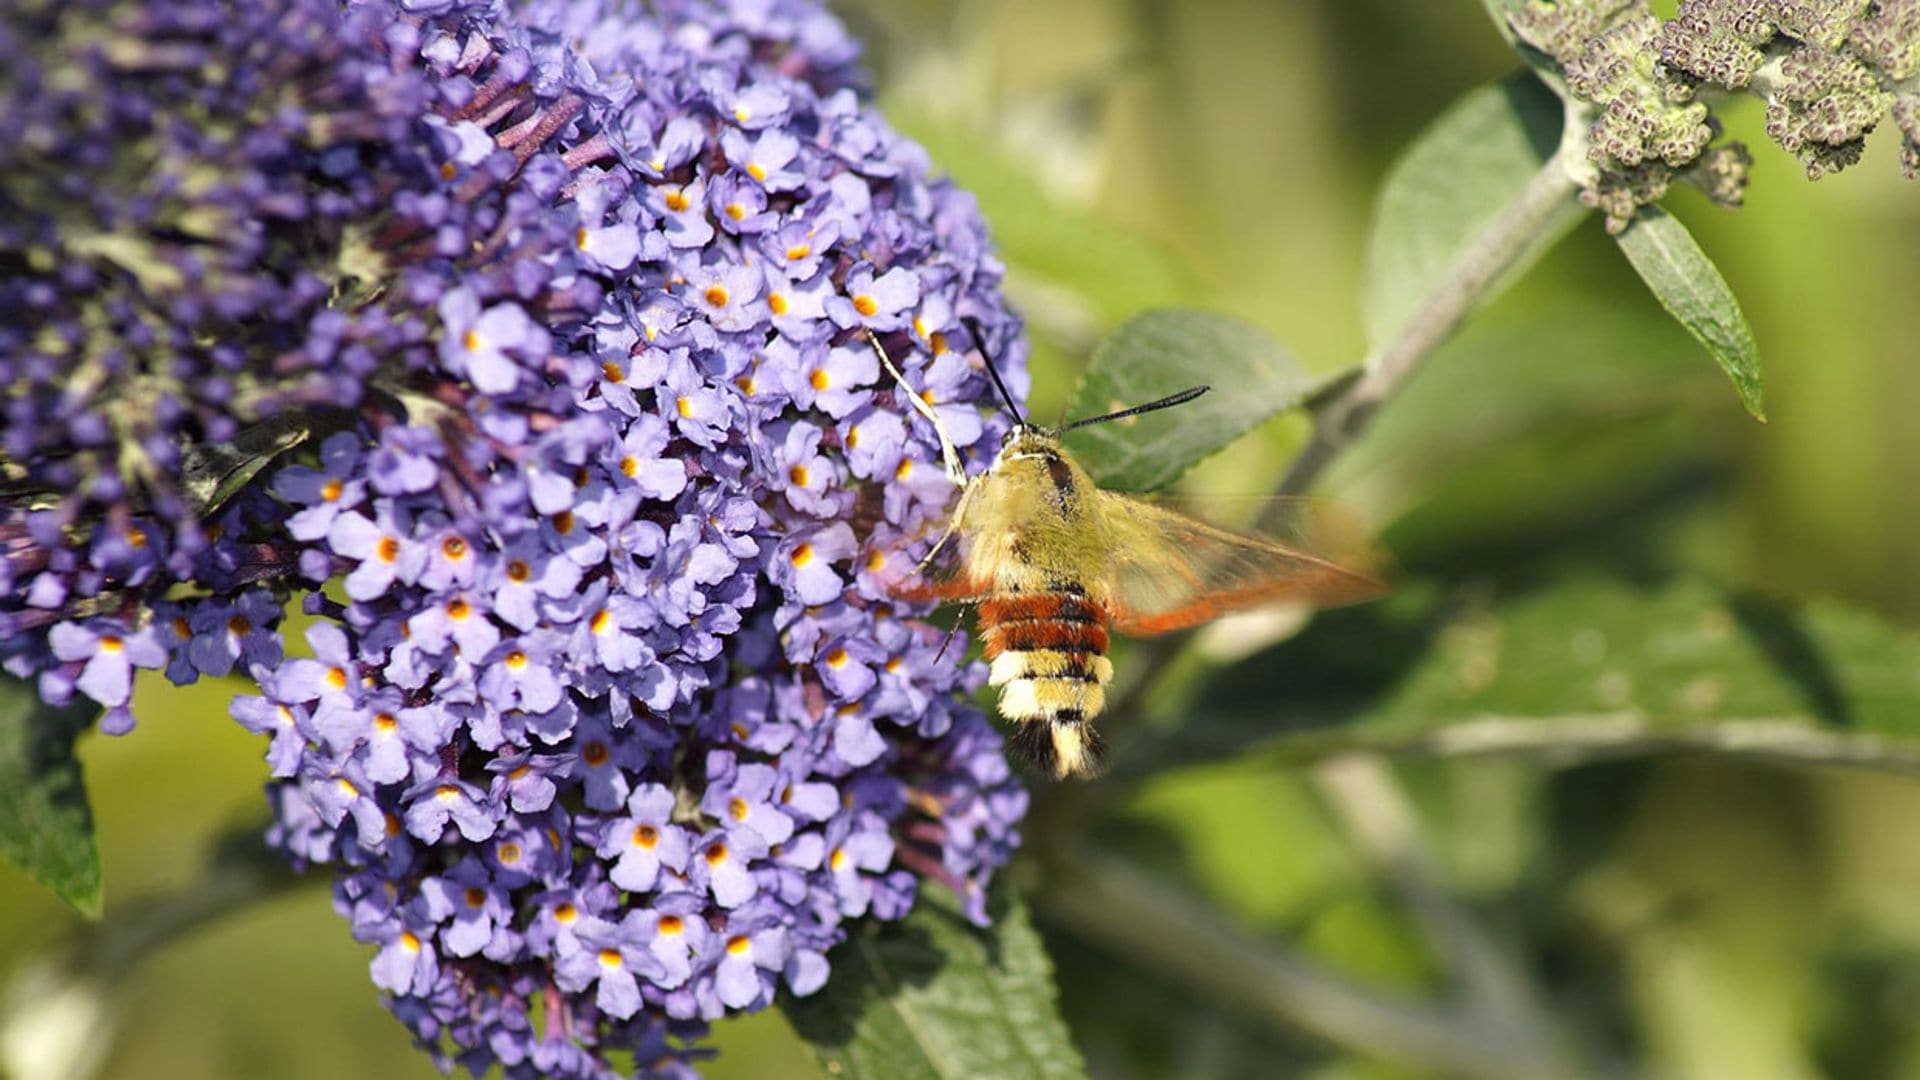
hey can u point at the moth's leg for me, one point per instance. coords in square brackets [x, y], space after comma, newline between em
[952, 632]
[953, 524]
[951, 457]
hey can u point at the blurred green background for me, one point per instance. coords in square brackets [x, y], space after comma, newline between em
[1684, 917]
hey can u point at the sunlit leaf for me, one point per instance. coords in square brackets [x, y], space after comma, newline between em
[46, 826]
[1690, 287]
[935, 996]
[1462, 171]
[1163, 352]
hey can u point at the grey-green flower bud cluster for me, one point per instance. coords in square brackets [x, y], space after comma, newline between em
[1648, 129]
[1828, 70]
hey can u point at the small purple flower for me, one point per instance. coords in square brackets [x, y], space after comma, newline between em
[264, 717]
[407, 963]
[469, 907]
[611, 955]
[109, 654]
[524, 574]
[803, 565]
[751, 960]
[381, 549]
[642, 459]
[854, 857]
[743, 797]
[645, 840]
[878, 302]
[684, 210]
[322, 493]
[525, 782]
[519, 673]
[728, 296]
[766, 159]
[680, 933]
[243, 633]
[483, 344]
[430, 806]
[610, 246]
[722, 865]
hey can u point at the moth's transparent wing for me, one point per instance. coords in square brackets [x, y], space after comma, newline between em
[1172, 569]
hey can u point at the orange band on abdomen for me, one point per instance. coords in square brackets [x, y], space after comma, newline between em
[1052, 634]
[1041, 606]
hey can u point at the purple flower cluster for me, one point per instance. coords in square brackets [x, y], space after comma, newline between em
[178, 183]
[610, 722]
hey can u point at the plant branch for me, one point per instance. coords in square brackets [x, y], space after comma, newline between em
[1363, 791]
[1110, 902]
[1499, 246]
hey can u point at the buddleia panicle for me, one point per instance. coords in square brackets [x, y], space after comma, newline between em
[606, 723]
[1717, 41]
[1828, 71]
[1824, 105]
[1645, 127]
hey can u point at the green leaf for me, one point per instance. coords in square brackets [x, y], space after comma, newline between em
[1571, 671]
[212, 473]
[46, 827]
[1690, 287]
[1163, 352]
[1456, 178]
[935, 996]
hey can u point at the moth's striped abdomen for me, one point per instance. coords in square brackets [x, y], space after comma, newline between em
[1048, 655]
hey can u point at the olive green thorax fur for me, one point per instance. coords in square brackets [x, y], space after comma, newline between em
[1035, 515]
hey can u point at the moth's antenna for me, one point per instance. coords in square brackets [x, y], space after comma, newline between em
[1167, 402]
[993, 369]
[955, 471]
